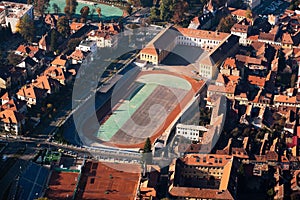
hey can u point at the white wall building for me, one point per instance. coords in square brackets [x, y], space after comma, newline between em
[252, 3]
[13, 12]
[87, 46]
[103, 39]
[191, 132]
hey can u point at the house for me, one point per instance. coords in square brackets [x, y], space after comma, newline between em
[44, 43]
[77, 56]
[58, 74]
[229, 67]
[257, 81]
[30, 65]
[284, 100]
[47, 83]
[242, 29]
[61, 62]
[103, 39]
[11, 121]
[203, 22]
[15, 105]
[238, 14]
[76, 26]
[87, 46]
[287, 41]
[31, 94]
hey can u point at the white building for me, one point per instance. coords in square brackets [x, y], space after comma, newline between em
[11, 13]
[103, 39]
[252, 3]
[87, 46]
[191, 132]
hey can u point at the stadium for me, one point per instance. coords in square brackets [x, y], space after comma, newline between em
[150, 104]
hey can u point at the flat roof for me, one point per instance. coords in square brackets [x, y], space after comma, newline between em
[62, 185]
[101, 180]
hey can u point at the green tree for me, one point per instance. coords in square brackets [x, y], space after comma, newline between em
[41, 6]
[154, 13]
[56, 8]
[147, 153]
[166, 10]
[226, 24]
[14, 59]
[63, 26]
[84, 12]
[98, 10]
[249, 14]
[73, 43]
[70, 8]
[26, 28]
[147, 146]
[53, 41]
[146, 3]
[180, 7]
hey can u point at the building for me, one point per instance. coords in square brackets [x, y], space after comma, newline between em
[209, 63]
[111, 181]
[252, 3]
[31, 94]
[203, 176]
[14, 12]
[103, 39]
[87, 46]
[288, 101]
[192, 132]
[11, 121]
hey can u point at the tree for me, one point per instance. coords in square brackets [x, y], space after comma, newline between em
[56, 8]
[73, 43]
[293, 80]
[154, 13]
[179, 9]
[41, 6]
[249, 14]
[92, 12]
[128, 9]
[63, 26]
[166, 10]
[226, 24]
[14, 59]
[70, 8]
[53, 41]
[98, 10]
[147, 155]
[84, 12]
[146, 3]
[26, 28]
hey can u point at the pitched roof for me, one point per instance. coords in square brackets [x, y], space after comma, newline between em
[150, 49]
[11, 116]
[59, 61]
[240, 28]
[285, 99]
[257, 80]
[75, 26]
[13, 104]
[5, 96]
[287, 39]
[77, 55]
[266, 36]
[55, 73]
[229, 63]
[31, 92]
[203, 34]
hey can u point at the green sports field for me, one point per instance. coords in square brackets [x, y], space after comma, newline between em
[124, 111]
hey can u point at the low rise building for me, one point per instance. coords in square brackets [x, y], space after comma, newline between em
[192, 132]
[198, 176]
[87, 46]
[13, 12]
